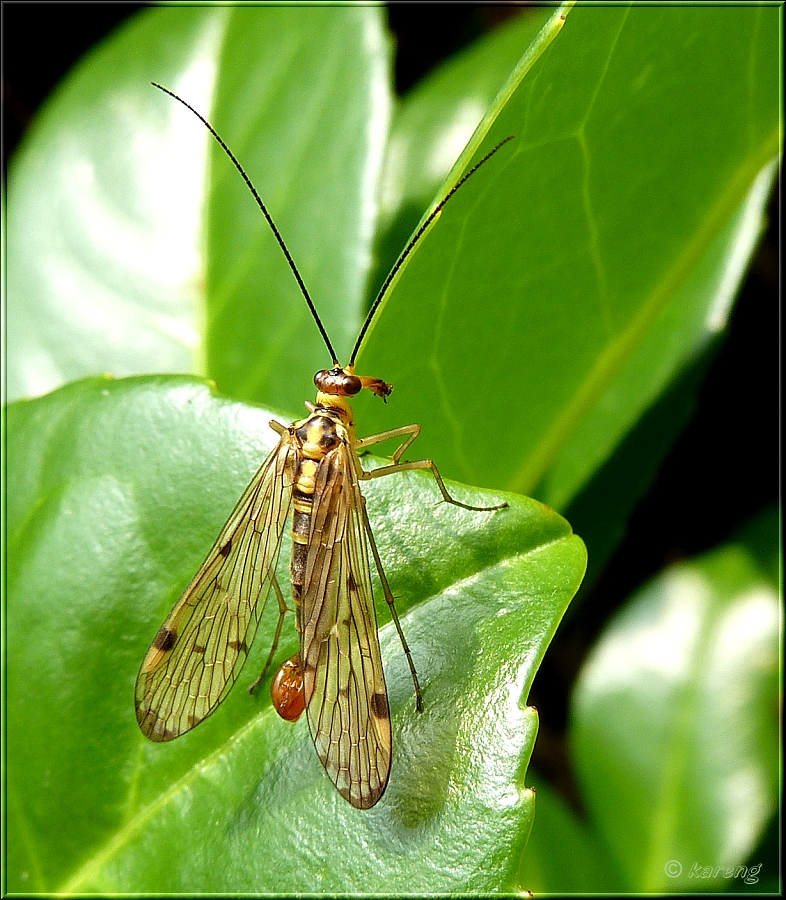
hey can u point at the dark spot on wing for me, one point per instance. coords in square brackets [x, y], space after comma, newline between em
[379, 706]
[165, 639]
[225, 550]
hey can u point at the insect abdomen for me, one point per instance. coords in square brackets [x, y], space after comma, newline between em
[301, 525]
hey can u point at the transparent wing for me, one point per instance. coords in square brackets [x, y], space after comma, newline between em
[200, 649]
[345, 691]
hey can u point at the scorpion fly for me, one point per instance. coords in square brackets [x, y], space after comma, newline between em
[314, 472]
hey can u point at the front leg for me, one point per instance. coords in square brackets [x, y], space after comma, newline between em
[412, 431]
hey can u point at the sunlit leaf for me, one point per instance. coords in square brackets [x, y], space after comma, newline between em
[116, 492]
[676, 719]
[574, 277]
[128, 253]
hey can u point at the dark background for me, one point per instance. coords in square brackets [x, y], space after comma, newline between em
[723, 469]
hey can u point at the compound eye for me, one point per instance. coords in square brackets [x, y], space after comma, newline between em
[337, 382]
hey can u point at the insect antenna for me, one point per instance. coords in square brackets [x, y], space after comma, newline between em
[411, 245]
[266, 214]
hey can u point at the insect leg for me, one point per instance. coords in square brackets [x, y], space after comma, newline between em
[412, 430]
[397, 466]
[282, 611]
[390, 600]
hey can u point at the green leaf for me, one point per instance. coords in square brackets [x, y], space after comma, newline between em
[572, 280]
[609, 462]
[600, 511]
[116, 490]
[128, 253]
[564, 855]
[578, 273]
[763, 875]
[303, 99]
[676, 722]
[433, 125]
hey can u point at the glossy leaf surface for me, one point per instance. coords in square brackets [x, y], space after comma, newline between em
[116, 491]
[676, 720]
[560, 293]
[574, 277]
[131, 250]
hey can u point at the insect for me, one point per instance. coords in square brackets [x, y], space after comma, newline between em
[315, 473]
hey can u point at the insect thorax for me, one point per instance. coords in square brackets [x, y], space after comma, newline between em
[329, 425]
